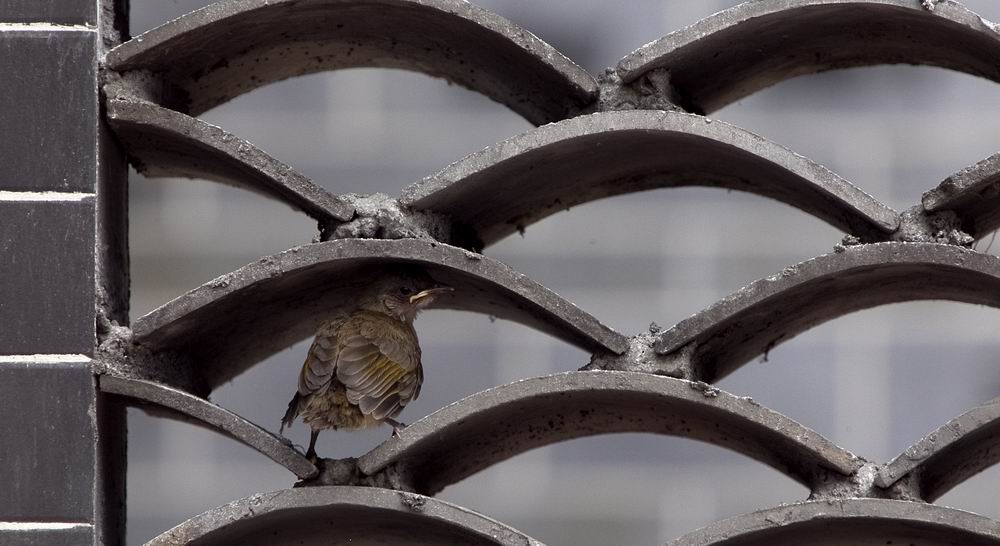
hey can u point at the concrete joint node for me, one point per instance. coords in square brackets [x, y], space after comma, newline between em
[135, 85]
[119, 355]
[846, 242]
[906, 488]
[651, 91]
[379, 216]
[860, 484]
[919, 226]
[642, 357]
[346, 472]
[105, 325]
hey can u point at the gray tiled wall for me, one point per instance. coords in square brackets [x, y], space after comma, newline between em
[48, 181]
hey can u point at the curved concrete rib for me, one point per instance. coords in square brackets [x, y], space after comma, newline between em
[163, 142]
[341, 515]
[238, 319]
[231, 47]
[973, 193]
[526, 178]
[186, 407]
[958, 450]
[862, 522]
[741, 50]
[494, 425]
[770, 311]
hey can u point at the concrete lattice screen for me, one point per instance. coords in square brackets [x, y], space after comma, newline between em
[639, 126]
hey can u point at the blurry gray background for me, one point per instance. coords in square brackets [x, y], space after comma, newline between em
[874, 381]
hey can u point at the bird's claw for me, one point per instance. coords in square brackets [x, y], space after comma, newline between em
[397, 427]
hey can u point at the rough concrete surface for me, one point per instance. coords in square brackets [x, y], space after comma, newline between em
[359, 516]
[346, 472]
[379, 216]
[859, 522]
[238, 319]
[187, 407]
[641, 356]
[753, 45]
[551, 168]
[770, 311]
[916, 225]
[973, 194]
[494, 425]
[956, 451]
[231, 47]
[652, 91]
[165, 143]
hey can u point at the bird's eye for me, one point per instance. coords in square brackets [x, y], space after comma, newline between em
[406, 291]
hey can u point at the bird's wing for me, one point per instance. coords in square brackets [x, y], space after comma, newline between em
[321, 362]
[379, 363]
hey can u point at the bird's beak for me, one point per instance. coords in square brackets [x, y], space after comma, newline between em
[430, 293]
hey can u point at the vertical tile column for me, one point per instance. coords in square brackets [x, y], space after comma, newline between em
[61, 446]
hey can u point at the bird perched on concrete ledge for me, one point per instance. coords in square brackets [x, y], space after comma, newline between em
[364, 367]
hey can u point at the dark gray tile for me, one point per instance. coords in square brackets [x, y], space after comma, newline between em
[47, 267]
[49, 110]
[46, 442]
[78, 536]
[64, 12]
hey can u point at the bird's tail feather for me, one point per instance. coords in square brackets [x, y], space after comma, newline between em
[290, 414]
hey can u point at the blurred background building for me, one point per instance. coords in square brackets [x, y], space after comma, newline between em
[873, 382]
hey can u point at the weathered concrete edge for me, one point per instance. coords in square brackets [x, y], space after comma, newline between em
[566, 315]
[852, 199]
[935, 450]
[760, 291]
[129, 55]
[283, 182]
[426, 434]
[975, 184]
[841, 512]
[652, 54]
[215, 417]
[331, 498]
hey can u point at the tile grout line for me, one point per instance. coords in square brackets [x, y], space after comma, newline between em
[36, 196]
[44, 358]
[42, 525]
[49, 27]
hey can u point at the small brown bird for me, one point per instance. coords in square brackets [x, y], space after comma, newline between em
[364, 367]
